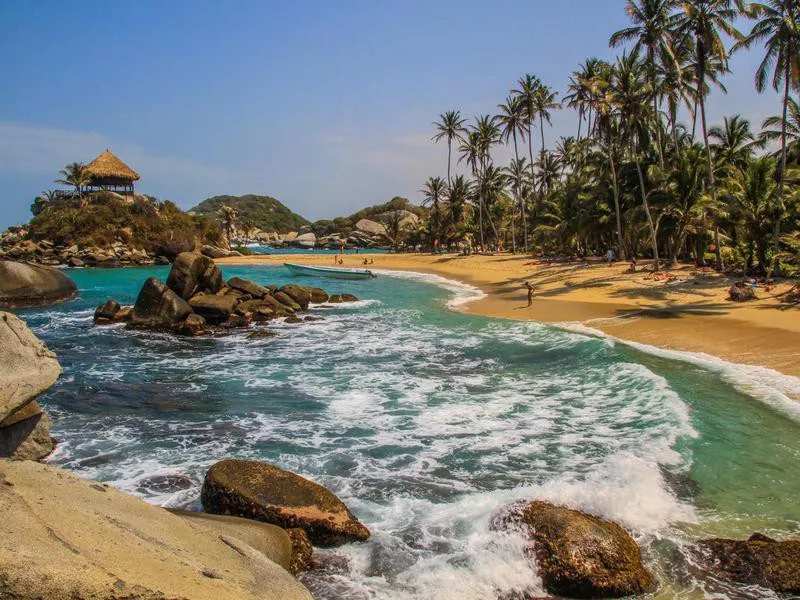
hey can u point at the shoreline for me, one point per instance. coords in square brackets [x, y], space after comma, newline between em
[690, 314]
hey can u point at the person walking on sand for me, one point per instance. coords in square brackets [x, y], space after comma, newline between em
[530, 293]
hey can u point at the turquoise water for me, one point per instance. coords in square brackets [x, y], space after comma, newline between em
[426, 421]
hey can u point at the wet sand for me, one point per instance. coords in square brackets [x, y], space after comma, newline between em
[691, 313]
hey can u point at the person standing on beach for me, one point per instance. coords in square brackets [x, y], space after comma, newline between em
[530, 293]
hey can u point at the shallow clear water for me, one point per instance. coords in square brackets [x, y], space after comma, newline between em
[426, 422]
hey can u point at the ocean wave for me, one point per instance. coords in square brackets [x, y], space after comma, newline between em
[462, 293]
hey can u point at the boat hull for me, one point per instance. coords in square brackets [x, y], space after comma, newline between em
[330, 272]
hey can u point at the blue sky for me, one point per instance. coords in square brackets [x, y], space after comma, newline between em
[325, 105]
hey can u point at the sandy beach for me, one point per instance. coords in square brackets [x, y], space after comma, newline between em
[689, 313]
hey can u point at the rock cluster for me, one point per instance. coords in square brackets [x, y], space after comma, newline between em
[27, 284]
[27, 368]
[579, 555]
[195, 300]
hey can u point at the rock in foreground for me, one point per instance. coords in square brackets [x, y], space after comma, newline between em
[759, 560]
[64, 537]
[260, 491]
[27, 284]
[581, 556]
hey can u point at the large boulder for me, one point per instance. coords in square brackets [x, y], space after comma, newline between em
[340, 298]
[28, 284]
[158, 307]
[213, 252]
[318, 295]
[371, 227]
[65, 537]
[248, 287]
[759, 560]
[27, 367]
[260, 491]
[278, 308]
[212, 307]
[192, 274]
[305, 240]
[25, 435]
[287, 301]
[299, 294]
[579, 555]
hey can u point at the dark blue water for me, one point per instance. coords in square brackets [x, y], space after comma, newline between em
[425, 421]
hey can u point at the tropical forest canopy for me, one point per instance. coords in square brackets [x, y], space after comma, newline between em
[645, 174]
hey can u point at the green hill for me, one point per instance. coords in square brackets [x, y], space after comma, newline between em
[264, 212]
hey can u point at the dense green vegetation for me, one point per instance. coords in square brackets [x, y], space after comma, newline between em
[636, 179]
[100, 219]
[252, 211]
[346, 224]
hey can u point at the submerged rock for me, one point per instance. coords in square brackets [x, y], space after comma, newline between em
[318, 295]
[65, 537]
[581, 556]
[158, 307]
[262, 334]
[759, 560]
[192, 274]
[261, 491]
[193, 326]
[28, 284]
[106, 312]
[339, 298]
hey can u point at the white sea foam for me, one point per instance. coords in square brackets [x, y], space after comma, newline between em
[462, 293]
[780, 391]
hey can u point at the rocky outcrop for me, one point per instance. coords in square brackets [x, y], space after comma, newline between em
[158, 307]
[27, 368]
[28, 284]
[65, 537]
[759, 560]
[305, 240]
[340, 298]
[193, 274]
[287, 301]
[579, 555]
[318, 295]
[266, 493]
[371, 227]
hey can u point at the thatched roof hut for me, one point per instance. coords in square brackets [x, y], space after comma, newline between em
[109, 172]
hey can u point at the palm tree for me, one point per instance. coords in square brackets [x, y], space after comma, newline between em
[734, 142]
[512, 123]
[470, 150]
[778, 26]
[631, 97]
[75, 175]
[450, 127]
[457, 196]
[528, 86]
[545, 100]
[704, 22]
[434, 190]
[652, 30]
[776, 128]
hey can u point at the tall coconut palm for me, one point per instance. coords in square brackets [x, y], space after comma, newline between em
[526, 90]
[450, 126]
[545, 101]
[470, 151]
[512, 124]
[457, 196]
[778, 27]
[652, 31]
[74, 174]
[777, 127]
[434, 191]
[631, 97]
[704, 22]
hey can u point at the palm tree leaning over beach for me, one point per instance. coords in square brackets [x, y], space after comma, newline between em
[778, 27]
[703, 22]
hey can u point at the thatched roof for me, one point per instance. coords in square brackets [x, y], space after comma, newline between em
[108, 166]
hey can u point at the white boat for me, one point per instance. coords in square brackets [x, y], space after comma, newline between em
[334, 272]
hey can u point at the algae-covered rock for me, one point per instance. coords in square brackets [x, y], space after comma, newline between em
[261, 491]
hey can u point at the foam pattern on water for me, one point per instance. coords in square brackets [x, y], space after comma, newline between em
[425, 422]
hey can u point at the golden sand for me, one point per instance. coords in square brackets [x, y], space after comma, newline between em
[690, 313]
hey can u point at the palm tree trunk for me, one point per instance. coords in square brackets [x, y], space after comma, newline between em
[646, 208]
[580, 121]
[530, 156]
[711, 185]
[622, 249]
[777, 228]
[516, 200]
